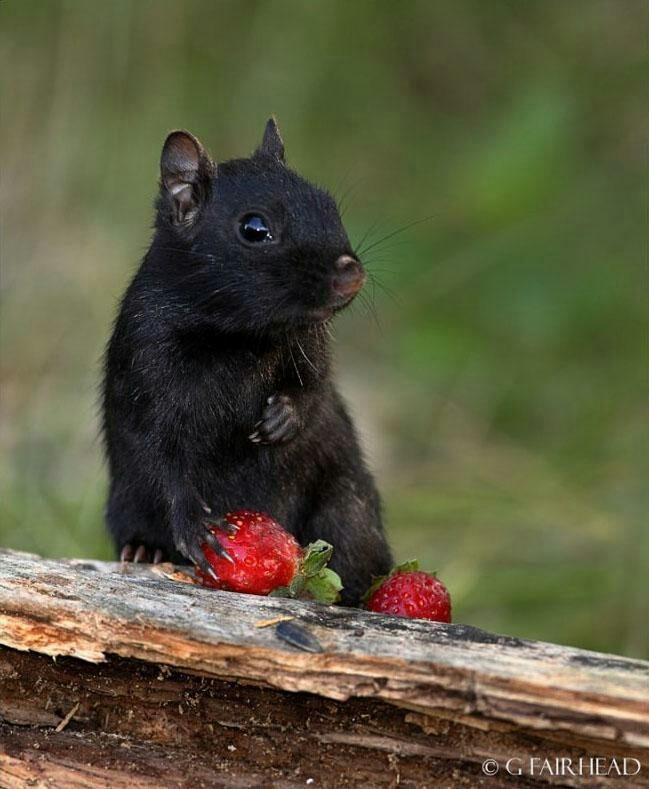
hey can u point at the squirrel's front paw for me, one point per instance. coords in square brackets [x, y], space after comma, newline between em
[279, 421]
[190, 537]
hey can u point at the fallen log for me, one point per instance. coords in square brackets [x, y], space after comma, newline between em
[117, 676]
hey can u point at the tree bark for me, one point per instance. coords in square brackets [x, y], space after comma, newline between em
[159, 682]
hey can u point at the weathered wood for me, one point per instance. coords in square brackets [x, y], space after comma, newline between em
[137, 721]
[436, 698]
[198, 730]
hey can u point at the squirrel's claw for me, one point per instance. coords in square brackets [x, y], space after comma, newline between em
[279, 421]
[200, 534]
[222, 524]
[127, 552]
[212, 541]
[197, 557]
[141, 554]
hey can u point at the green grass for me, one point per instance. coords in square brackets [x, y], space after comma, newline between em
[498, 364]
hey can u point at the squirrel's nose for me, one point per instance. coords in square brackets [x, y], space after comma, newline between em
[349, 277]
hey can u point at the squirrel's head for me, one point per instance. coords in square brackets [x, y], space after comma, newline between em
[250, 240]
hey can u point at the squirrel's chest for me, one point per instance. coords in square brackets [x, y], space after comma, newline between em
[220, 397]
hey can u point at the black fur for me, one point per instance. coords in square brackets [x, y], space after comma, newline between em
[217, 388]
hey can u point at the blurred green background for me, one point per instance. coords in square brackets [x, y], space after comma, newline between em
[497, 366]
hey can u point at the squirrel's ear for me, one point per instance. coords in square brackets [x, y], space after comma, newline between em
[272, 143]
[185, 171]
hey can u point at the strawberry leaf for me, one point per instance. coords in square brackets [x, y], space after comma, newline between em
[314, 580]
[280, 591]
[411, 566]
[316, 556]
[324, 587]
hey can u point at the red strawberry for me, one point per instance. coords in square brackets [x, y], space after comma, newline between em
[410, 592]
[264, 555]
[264, 559]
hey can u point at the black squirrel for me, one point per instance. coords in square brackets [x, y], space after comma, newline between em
[217, 389]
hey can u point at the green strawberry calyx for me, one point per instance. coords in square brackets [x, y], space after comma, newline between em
[313, 579]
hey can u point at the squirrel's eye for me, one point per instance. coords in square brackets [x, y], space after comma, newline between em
[254, 229]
